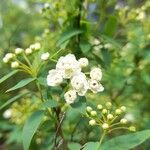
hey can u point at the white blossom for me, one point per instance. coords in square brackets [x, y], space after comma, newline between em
[14, 64]
[5, 60]
[70, 96]
[45, 56]
[80, 83]
[96, 74]
[9, 56]
[83, 62]
[68, 65]
[7, 114]
[54, 78]
[18, 50]
[37, 46]
[95, 86]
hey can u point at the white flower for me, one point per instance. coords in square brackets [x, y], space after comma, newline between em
[28, 51]
[54, 78]
[70, 96]
[83, 62]
[18, 50]
[96, 74]
[79, 83]
[14, 64]
[95, 86]
[5, 60]
[7, 114]
[46, 5]
[130, 117]
[45, 56]
[9, 56]
[68, 65]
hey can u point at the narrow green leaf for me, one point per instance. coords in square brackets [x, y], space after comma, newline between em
[21, 84]
[85, 46]
[126, 142]
[8, 76]
[67, 35]
[80, 105]
[31, 127]
[12, 100]
[50, 104]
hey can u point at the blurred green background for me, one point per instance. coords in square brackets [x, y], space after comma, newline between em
[116, 36]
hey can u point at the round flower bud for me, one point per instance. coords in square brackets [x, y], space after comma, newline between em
[9, 56]
[37, 46]
[88, 109]
[104, 111]
[123, 121]
[28, 51]
[83, 62]
[93, 113]
[110, 116]
[18, 50]
[105, 126]
[92, 122]
[7, 114]
[132, 128]
[5, 60]
[108, 104]
[46, 5]
[96, 74]
[118, 111]
[45, 56]
[99, 106]
[123, 108]
[14, 64]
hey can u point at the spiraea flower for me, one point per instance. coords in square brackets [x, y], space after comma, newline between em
[80, 83]
[54, 78]
[14, 64]
[68, 65]
[45, 56]
[28, 51]
[18, 51]
[70, 96]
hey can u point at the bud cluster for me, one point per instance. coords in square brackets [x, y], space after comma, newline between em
[108, 118]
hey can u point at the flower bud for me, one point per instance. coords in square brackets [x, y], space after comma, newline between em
[9, 56]
[88, 109]
[14, 64]
[45, 56]
[37, 46]
[123, 108]
[118, 111]
[108, 104]
[28, 51]
[110, 116]
[105, 126]
[104, 111]
[93, 113]
[46, 5]
[18, 51]
[123, 121]
[92, 122]
[99, 106]
[132, 128]
[5, 60]
[83, 62]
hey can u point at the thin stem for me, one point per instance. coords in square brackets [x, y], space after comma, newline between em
[118, 129]
[101, 139]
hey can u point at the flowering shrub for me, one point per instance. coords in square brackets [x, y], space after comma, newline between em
[77, 50]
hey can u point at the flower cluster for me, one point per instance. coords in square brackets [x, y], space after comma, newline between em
[13, 58]
[107, 118]
[68, 67]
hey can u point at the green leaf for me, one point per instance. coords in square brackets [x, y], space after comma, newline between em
[111, 26]
[80, 105]
[8, 76]
[91, 146]
[85, 47]
[126, 142]
[21, 84]
[13, 99]
[50, 104]
[31, 127]
[74, 146]
[67, 35]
